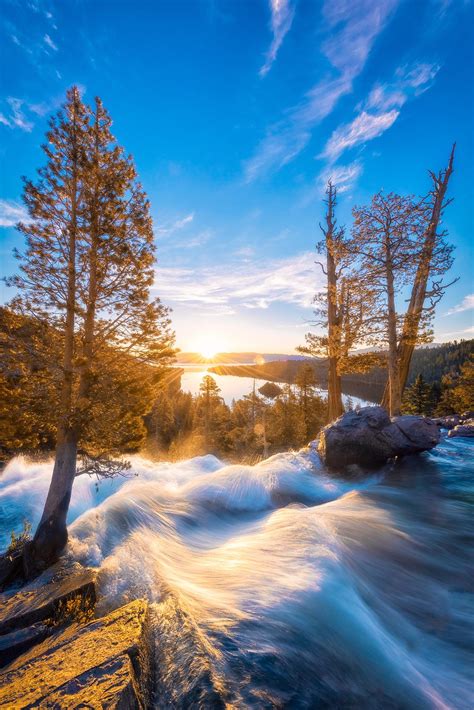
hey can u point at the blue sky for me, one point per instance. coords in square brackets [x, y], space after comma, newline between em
[236, 112]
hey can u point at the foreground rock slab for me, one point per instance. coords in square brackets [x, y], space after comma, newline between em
[369, 438]
[103, 664]
[29, 607]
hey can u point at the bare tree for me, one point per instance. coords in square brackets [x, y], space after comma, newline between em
[385, 237]
[434, 260]
[346, 309]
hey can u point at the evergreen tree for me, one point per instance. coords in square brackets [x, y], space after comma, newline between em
[212, 418]
[87, 272]
[464, 389]
[418, 398]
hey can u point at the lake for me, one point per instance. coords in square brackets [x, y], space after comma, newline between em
[233, 387]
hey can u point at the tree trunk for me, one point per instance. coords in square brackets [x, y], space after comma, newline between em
[393, 371]
[51, 535]
[335, 407]
[413, 315]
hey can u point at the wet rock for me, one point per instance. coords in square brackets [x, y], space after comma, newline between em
[466, 429]
[103, 664]
[369, 438]
[17, 642]
[448, 422]
[186, 674]
[28, 607]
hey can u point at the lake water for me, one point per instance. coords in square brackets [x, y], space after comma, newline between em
[231, 386]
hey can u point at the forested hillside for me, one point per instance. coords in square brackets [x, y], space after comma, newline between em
[433, 363]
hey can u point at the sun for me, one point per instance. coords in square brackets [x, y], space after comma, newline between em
[208, 347]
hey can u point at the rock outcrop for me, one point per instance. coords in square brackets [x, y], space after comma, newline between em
[23, 614]
[466, 429]
[369, 438]
[103, 664]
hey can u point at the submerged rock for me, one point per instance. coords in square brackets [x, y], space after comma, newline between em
[466, 429]
[103, 664]
[369, 438]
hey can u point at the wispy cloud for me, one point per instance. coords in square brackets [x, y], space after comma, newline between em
[362, 129]
[49, 42]
[15, 117]
[381, 109]
[257, 285]
[467, 304]
[282, 14]
[11, 213]
[351, 30]
[176, 226]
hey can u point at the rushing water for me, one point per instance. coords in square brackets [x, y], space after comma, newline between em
[305, 590]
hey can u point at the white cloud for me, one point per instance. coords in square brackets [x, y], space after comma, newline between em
[363, 128]
[11, 213]
[16, 117]
[341, 176]
[351, 30]
[408, 82]
[381, 108]
[282, 17]
[172, 227]
[467, 304]
[256, 285]
[47, 40]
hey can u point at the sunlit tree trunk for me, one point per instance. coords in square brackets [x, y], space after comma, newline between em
[51, 534]
[335, 407]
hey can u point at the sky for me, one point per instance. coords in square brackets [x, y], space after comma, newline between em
[236, 113]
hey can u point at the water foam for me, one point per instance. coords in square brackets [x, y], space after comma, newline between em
[312, 590]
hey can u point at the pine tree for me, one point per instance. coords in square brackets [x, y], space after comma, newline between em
[212, 419]
[464, 389]
[418, 398]
[87, 272]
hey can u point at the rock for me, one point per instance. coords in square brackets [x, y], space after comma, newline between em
[17, 642]
[103, 664]
[466, 429]
[186, 675]
[369, 438]
[11, 567]
[448, 422]
[29, 607]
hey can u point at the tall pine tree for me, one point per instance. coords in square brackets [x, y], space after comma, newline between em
[87, 271]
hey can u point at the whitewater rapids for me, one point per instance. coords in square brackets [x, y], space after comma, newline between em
[308, 591]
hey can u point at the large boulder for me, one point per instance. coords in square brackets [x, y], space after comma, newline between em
[103, 664]
[369, 438]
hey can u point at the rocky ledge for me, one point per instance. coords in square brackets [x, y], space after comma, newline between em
[102, 664]
[369, 437]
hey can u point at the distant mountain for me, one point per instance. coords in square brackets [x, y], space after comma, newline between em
[249, 358]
